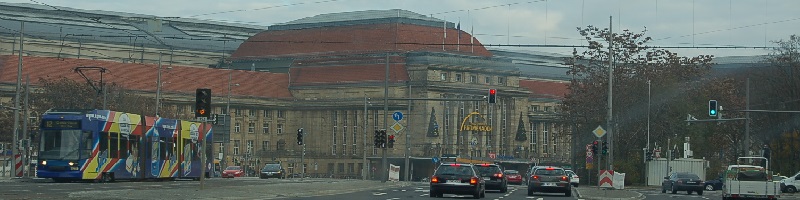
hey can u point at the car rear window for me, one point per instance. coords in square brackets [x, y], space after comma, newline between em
[272, 167]
[551, 172]
[511, 172]
[454, 170]
[691, 176]
[233, 168]
[484, 170]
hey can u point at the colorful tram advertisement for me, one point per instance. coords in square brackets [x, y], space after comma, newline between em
[105, 145]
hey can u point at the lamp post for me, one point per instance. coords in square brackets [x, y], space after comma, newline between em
[158, 85]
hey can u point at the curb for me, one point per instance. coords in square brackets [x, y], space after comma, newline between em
[640, 196]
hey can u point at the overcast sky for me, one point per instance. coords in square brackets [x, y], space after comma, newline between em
[685, 23]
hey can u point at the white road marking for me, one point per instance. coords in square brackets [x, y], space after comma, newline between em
[422, 195]
[378, 193]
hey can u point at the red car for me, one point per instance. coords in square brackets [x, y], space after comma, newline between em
[513, 177]
[232, 171]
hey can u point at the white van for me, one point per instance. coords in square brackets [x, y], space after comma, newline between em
[789, 185]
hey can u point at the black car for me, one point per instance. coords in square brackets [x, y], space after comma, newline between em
[549, 179]
[460, 179]
[494, 177]
[712, 185]
[272, 170]
[682, 181]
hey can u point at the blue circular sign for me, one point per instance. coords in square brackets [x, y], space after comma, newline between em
[435, 159]
[397, 116]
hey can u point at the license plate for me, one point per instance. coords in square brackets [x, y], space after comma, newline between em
[487, 178]
[454, 181]
[548, 184]
[691, 182]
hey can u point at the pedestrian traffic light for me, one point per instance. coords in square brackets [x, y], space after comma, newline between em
[203, 103]
[300, 136]
[594, 147]
[712, 108]
[391, 141]
[605, 147]
[492, 96]
[214, 119]
[384, 139]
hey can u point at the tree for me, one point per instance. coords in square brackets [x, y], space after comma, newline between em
[677, 89]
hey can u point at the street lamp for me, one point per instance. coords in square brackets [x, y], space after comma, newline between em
[158, 85]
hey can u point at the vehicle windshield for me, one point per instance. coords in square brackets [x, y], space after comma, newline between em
[454, 170]
[271, 168]
[549, 172]
[64, 145]
[233, 168]
[691, 176]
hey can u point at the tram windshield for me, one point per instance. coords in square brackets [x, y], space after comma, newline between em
[64, 145]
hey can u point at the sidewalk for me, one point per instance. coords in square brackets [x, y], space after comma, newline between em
[607, 194]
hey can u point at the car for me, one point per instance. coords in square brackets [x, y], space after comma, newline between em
[494, 177]
[459, 179]
[574, 179]
[513, 177]
[233, 171]
[711, 185]
[549, 179]
[272, 170]
[682, 181]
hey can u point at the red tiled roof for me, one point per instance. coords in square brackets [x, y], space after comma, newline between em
[142, 77]
[546, 89]
[357, 39]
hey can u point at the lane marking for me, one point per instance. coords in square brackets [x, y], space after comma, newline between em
[378, 193]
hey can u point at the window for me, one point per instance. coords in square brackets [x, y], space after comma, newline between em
[443, 76]
[534, 108]
[251, 113]
[458, 78]
[267, 114]
[473, 79]
[221, 147]
[265, 128]
[351, 168]
[237, 112]
[224, 110]
[237, 127]
[236, 147]
[545, 129]
[340, 167]
[501, 81]
[251, 127]
[280, 129]
[534, 132]
[264, 146]
[335, 122]
[547, 108]
[280, 114]
[488, 80]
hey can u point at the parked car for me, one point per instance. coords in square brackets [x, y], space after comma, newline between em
[460, 179]
[513, 177]
[233, 171]
[574, 179]
[715, 184]
[272, 170]
[682, 181]
[549, 179]
[494, 177]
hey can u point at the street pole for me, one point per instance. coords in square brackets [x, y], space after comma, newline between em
[747, 120]
[227, 122]
[647, 147]
[14, 147]
[303, 156]
[158, 85]
[408, 132]
[384, 167]
[203, 152]
[365, 167]
[26, 145]
[610, 120]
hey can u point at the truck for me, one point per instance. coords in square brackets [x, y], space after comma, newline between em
[750, 182]
[790, 185]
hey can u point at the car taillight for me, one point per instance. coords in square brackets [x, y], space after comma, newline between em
[734, 196]
[770, 197]
[473, 181]
[434, 179]
[535, 177]
[564, 178]
[499, 175]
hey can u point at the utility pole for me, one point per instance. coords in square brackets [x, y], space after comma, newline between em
[158, 85]
[365, 168]
[408, 132]
[15, 150]
[610, 121]
[747, 120]
[384, 167]
[26, 145]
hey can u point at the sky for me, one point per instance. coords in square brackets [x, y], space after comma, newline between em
[750, 24]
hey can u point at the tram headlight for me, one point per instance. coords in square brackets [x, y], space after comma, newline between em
[71, 163]
[44, 162]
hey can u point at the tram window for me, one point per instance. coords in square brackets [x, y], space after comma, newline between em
[174, 146]
[134, 145]
[188, 152]
[163, 148]
[86, 144]
[124, 143]
[103, 142]
[113, 145]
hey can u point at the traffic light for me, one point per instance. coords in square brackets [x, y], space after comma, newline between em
[649, 155]
[215, 119]
[203, 104]
[605, 147]
[391, 141]
[594, 147]
[300, 136]
[492, 96]
[377, 139]
[712, 108]
[383, 139]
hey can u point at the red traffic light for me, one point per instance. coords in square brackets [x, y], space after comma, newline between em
[492, 91]
[595, 142]
[391, 137]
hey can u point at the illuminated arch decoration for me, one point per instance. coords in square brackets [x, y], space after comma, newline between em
[475, 126]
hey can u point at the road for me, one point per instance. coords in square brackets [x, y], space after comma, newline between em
[420, 191]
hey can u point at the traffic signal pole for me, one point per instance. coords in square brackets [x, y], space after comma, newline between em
[384, 169]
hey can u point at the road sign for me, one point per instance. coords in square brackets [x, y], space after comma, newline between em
[599, 131]
[397, 116]
[435, 159]
[606, 180]
[396, 127]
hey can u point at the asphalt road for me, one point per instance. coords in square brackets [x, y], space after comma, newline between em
[421, 191]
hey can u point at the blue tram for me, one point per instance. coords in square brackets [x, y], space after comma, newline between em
[106, 145]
